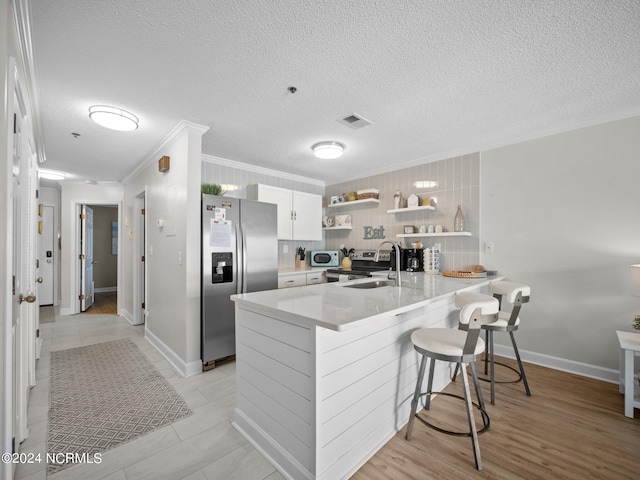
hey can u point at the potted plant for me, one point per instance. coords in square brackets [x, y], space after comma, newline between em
[213, 189]
[636, 322]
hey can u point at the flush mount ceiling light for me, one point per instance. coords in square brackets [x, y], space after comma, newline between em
[113, 118]
[52, 175]
[328, 150]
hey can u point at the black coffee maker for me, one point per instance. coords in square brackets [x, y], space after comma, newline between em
[414, 261]
[410, 260]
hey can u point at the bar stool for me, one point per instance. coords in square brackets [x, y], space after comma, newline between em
[461, 347]
[515, 294]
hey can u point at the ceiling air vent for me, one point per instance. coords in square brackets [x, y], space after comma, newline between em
[355, 121]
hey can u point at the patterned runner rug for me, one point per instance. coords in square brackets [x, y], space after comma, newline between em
[104, 395]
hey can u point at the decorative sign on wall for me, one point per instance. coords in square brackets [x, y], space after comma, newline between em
[371, 233]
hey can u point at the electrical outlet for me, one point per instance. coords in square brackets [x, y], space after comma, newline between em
[488, 248]
[285, 248]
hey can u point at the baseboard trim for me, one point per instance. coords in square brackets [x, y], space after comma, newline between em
[105, 289]
[66, 311]
[127, 316]
[583, 369]
[183, 368]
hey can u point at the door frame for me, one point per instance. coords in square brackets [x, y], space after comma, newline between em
[18, 327]
[75, 250]
[139, 250]
[86, 255]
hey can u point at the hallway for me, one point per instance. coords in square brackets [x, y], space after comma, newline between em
[104, 303]
[203, 446]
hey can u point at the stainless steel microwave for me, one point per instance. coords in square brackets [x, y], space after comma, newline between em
[324, 258]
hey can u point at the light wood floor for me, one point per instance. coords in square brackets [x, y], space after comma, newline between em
[104, 303]
[571, 427]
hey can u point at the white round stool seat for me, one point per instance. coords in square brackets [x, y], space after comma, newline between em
[502, 323]
[443, 341]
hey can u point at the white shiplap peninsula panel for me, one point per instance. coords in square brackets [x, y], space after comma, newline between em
[318, 402]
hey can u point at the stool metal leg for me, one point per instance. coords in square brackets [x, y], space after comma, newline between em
[486, 352]
[486, 421]
[416, 397]
[472, 423]
[432, 368]
[491, 348]
[524, 377]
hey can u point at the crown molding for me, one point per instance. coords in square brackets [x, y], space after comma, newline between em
[179, 129]
[262, 170]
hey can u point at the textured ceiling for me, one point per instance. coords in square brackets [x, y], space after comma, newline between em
[436, 78]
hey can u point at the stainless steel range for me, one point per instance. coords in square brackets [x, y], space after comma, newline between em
[362, 265]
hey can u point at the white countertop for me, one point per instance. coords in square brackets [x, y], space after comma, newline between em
[337, 307]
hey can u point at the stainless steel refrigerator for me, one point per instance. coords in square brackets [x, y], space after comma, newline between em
[239, 255]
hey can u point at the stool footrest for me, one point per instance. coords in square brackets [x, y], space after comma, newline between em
[485, 417]
[513, 369]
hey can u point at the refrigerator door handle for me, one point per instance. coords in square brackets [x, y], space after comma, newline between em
[244, 260]
[239, 259]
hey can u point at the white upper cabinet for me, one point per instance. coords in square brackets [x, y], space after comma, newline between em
[283, 199]
[307, 224]
[299, 213]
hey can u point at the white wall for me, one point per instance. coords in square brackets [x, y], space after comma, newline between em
[172, 257]
[72, 195]
[562, 213]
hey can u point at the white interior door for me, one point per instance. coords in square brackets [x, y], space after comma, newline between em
[17, 345]
[86, 258]
[24, 315]
[46, 257]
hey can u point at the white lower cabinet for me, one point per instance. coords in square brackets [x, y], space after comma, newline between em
[300, 279]
[313, 278]
[292, 280]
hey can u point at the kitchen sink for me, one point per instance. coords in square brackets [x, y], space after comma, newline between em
[373, 284]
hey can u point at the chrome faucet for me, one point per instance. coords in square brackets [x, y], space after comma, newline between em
[397, 250]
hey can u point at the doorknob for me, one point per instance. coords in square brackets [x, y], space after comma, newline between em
[29, 298]
[39, 279]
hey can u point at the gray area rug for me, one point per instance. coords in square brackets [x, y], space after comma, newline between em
[104, 395]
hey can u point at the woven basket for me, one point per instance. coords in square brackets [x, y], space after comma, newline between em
[363, 196]
[463, 274]
[367, 193]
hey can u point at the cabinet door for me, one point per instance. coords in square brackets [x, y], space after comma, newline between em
[282, 198]
[292, 281]
[308, 216]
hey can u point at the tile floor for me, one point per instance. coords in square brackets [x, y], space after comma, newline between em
[203, 446]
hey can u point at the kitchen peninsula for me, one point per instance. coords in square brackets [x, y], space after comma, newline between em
[325, 373]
